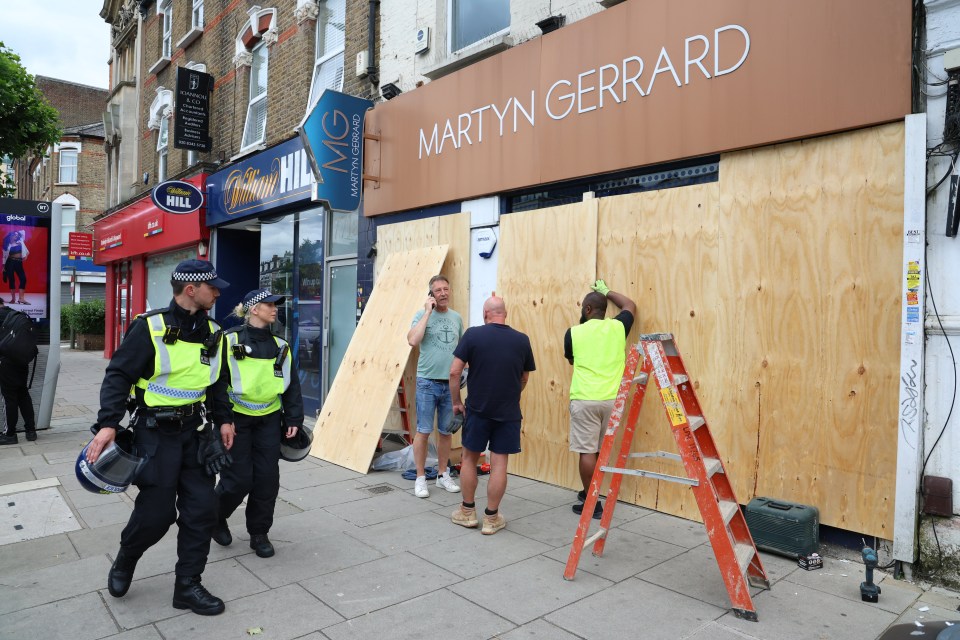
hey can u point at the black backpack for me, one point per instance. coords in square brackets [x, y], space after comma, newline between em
[18, 342]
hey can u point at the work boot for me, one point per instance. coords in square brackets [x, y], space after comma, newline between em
[221, 534]
[121, 574]
[31, 435]
[5, 439]
[188, 593]
[261, 544]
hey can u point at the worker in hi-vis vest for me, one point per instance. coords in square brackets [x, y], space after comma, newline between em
[597, 350]
[264, 390]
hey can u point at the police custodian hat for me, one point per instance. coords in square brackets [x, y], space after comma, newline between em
[198, 271]
[260, 295]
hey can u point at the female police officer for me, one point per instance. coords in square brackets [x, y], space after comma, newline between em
[171, 358]
[265, 393]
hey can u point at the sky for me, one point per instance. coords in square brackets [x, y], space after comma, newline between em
[63, 39]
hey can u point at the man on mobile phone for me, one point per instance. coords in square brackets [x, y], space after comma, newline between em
[436, 329]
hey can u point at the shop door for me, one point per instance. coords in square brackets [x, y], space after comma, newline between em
[122, 273]
[340, 318]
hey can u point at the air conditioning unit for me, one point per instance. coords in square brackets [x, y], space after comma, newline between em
[421, 41]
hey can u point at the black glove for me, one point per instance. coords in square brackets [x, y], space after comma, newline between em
[211, 454]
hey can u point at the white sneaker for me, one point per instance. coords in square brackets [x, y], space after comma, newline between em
[420, 487]
[446, 482]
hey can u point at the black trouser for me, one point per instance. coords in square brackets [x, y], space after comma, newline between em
[17, 398]
[172, 482]
[255, 471]
[13, 267]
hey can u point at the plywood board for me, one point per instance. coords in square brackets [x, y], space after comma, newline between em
[347, 430]
[816, 259]
[547, 264]
[771, 280]
[660, 248]
[454, 231]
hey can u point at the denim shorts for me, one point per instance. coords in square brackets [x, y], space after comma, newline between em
[479, 433]
[433, 398]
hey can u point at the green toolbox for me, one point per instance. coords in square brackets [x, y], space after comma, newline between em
[783, 527]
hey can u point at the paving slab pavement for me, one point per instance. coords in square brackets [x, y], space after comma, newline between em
[358, 556]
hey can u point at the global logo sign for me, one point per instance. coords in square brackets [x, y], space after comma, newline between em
[177, 197]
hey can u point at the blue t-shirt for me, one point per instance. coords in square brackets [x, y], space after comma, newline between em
[497, 356]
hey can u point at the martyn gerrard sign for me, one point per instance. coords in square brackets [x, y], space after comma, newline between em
[332, 134]
[638, 84]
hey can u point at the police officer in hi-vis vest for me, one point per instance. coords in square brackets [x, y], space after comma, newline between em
[171, 359]
[264, 390]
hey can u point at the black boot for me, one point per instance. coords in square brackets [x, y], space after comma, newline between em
[221, 534]
[5, 439]
[261, 544]
[32, 434]
[121, 574]
[188, 593]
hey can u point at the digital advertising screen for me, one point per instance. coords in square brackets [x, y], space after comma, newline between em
[25, 234]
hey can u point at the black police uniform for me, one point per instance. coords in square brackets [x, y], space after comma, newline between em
[256, 447]
[172, 478]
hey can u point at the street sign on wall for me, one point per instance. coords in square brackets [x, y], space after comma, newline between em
[80, 245]
[332, 135]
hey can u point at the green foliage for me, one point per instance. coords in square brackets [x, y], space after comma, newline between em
[28, 124]
[85, 317]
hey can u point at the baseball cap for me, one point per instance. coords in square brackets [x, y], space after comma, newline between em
[198, 271]
[260, 295]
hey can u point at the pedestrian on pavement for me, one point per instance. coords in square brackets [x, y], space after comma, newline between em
[171, 358]
[436, 329]
[267, 406]
[500, 360]
[16, 395]
[597, 350]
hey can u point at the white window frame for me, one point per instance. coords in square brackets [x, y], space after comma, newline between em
[450, 28]
[255, 100]
[196, 16]
[163, 147]
[321, 57]
[68, 151]
[165, 8]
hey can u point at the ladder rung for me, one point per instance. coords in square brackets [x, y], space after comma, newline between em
[641, 378]
[696, 422]
[728, 509]
[680, 378]
[744, 553]
[713, 466]
[693, 482]
[602, 533]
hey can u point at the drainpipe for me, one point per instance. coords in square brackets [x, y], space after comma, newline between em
[372, 71]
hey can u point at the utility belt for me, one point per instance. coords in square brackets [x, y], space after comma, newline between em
[175, 419]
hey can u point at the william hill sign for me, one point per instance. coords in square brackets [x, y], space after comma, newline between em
[176, 196]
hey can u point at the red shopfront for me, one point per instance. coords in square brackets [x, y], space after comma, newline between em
[140, 245]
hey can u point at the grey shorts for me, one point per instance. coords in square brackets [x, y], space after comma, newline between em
[588, 423]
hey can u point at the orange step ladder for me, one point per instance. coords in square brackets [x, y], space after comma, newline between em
[401, 408]
[726, 525]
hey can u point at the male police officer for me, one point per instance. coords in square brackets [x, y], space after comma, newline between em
[171, 358]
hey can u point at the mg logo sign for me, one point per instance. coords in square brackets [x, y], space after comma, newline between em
[332, 134]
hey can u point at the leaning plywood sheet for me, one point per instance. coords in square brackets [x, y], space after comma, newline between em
[547, 264]
[350, 422]
[454, 231]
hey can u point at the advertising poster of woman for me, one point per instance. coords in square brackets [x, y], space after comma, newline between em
[25, 240]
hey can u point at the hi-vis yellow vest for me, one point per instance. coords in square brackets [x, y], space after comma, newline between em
[255, 385]
[181, 374]
[598, 358]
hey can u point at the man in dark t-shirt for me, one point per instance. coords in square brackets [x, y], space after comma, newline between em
[500, 360]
